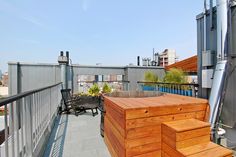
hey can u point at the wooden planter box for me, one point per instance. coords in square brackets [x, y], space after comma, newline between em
[133, 125]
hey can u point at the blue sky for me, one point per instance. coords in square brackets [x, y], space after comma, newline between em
[111, 32]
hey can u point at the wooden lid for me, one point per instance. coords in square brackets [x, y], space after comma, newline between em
[159, 101]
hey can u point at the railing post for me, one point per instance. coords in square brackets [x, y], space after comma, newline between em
[22, 125]
[50, 102]
[16, 127]
[6, 130]
[28, 129]
[194, 91]
[11, 128]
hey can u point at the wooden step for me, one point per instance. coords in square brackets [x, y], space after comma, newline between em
[201, 150]
[197, 148]
[185, 133]
[218, 151]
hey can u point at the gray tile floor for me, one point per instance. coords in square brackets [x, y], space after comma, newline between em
[76, 136]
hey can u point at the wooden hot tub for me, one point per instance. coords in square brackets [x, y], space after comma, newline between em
[132, 124]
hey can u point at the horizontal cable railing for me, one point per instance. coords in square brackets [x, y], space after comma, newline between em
[27, 118]
[115, 85]
[186, 89]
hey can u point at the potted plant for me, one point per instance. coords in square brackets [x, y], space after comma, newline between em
[106, 88]
[94, 90]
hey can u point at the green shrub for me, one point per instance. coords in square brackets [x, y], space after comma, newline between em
[150, 77]
[94, 90]
[106, 88]
[175, 76]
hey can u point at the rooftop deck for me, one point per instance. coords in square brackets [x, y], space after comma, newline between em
[76, 136]
[80, 136]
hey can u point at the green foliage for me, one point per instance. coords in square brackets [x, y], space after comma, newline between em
[175, 76]
[94, 90]
[106, 88]
[0, 83]
[150, 77]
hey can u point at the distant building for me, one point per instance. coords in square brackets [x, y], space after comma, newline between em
[167, 57]
[5, 79]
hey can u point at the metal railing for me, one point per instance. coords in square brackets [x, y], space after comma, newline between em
[115, 85]
[28, 119]
[186, 89]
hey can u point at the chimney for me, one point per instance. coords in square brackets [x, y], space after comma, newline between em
[138, 61]
[63, 59]
[67, 55]
[61, 53]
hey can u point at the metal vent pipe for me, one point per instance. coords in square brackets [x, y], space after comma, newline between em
[222, 29]
[205, 26]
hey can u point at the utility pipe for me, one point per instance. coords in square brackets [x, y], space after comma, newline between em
[222, 29]
[205, 27]
[211, 14]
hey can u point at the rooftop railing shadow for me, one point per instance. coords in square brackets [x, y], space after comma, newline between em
[56, 140]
